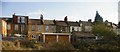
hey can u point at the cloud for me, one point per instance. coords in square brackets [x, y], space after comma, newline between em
[35, 14]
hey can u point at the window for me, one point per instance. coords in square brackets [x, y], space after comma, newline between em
[18, 19]
[39, 27]
[33, 28]
[53, 28]
[16, 27]
[63, 28]
[75, 28]
[72, 28]
[22, 27]
[22, 19]
[88, 28]
[46, 28]
[33, 36]
[108, 24]
[78, 29]
[8, 27]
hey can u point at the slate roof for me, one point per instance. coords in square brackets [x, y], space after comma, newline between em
[61, 23]
[71, 23]
[48, 22]
[34, 21]
[86, 23]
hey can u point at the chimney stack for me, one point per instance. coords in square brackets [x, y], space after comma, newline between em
[65, 19]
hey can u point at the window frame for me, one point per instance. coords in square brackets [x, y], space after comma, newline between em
[47, 28]
[39, 27]
[16, 27]
[33, 27]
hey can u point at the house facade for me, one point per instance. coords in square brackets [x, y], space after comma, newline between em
[62, 27]
[3, 28]
[56, 37]
[35, 28]
[47, 30]
[0, 25]
[74, 26]
[20, 24]
[86, 26]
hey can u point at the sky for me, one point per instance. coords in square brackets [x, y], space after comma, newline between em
[82, 10]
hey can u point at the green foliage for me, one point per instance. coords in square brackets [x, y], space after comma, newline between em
[102, 30]
[101, 45]
[63, 46]
[28, 44]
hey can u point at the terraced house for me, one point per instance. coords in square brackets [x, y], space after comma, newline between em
[48, 30]
[40, 29]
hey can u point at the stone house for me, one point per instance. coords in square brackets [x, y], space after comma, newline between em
[86, 25]
[74, 26]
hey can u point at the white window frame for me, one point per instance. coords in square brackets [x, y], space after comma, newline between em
[19, 19]
[22, 19]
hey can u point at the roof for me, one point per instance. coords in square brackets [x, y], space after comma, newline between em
[86, 23]
[115, 24]
[34, 21]
[83, 34]
[71, 23]
[21, 15]
[61, 23]
[48, 22]
[8, 19]
[56, 33]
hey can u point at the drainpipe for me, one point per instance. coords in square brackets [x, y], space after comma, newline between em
[57, 39]
[69, 38]
[43, 37]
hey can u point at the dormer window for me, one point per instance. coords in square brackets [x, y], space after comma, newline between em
[21, 19]
[18, 19]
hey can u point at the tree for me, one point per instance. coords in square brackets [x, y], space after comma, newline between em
[102, 30]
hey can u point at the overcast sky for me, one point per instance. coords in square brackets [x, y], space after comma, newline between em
[60, 0]
[82, 10]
